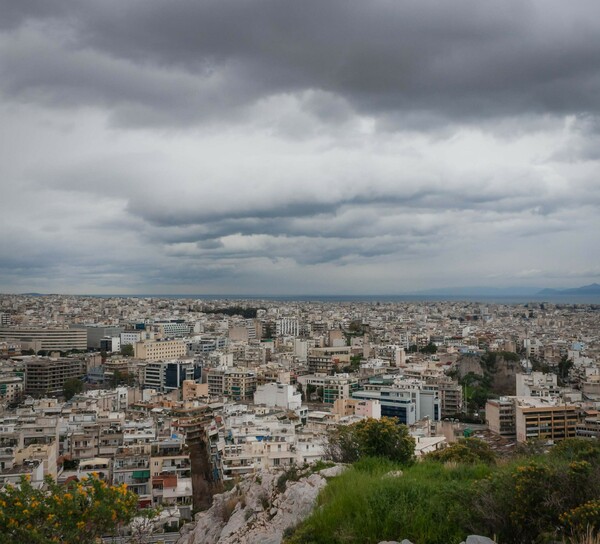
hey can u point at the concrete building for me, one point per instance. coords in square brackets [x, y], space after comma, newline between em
[532, 417]
[537, 384]
[11, 388]
[338, 386]
[215, 378]
[408, 405]
[110, 344]
[193, 390]
[160, 350]
[451, 397]
[325, 360]
[165, 376]
[46, 376]
[544, 418]
[356, 407]
[278, 395]
[46, 339]
[287, 326]
[95, 333]
[176, 328]
[500, 416]
[239, 384]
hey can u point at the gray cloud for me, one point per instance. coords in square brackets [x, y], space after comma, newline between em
[268, 146]
[155, 63]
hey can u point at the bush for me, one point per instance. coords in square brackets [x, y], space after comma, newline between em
[466, 450]
[371, 438]
[541, 498]
[292, 474]
[226, 508]
[78, 512]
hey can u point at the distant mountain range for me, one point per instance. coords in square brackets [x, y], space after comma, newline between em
[475, 291]
[592, 289]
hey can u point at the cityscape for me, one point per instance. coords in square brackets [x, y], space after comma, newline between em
[176, 396]
[318, 272]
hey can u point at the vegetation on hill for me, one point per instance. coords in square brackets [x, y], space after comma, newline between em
[371, 438]
[462, 491]
[77, 512]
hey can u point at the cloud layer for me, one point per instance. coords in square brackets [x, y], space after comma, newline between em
[271, 147]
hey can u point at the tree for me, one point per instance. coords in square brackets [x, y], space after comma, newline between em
[127, 350]
[430, 349]
[466, 450]
[122, 378]
[564, 367]
[78, 512]
[371, 438]
[71, 387]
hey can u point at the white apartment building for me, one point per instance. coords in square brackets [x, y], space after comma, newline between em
[287, 326]
[537, 384]
[278, 395]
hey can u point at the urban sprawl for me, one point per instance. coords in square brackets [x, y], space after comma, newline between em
[167, 395]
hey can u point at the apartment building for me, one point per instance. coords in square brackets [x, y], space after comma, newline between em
[287, 326]
[131, 466]
[325, 360]
[278, 394]
[537, 384]
[532, 417]
[544, 418]
[500, 416]
[160, 350]
[11, 388]
[239, 384]
[355, 407]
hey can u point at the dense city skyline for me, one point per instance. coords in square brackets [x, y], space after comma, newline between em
[267, 147]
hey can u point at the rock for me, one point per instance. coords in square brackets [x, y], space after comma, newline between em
[331, 472]
[393, 474]
[475, 539]
[253, 524]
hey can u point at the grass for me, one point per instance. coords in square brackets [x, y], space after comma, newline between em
[362, 506]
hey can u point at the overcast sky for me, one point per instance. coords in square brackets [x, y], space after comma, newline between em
[287, 147]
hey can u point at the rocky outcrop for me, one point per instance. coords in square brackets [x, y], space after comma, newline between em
[260, 509]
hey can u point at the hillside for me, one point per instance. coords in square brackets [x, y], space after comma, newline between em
[592, 289]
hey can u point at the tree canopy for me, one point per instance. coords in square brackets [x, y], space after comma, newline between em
[371, 438]
[466, 450]
[71, 387]
[127, 350]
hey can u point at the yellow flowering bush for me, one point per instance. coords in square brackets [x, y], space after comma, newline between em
[78, 512]
[583, 518]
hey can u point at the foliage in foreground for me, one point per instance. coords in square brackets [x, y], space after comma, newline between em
[366, 504]
[540, 498]
[371, 438]
[78, 512]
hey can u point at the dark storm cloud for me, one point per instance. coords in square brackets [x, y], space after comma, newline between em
[255, 143]
[168, 63]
